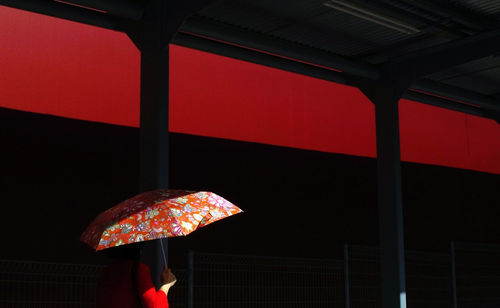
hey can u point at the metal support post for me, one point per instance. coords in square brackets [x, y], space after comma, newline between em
[385, 95]
[190, 280]
[347, 282]
[453, 275]
[153, 38]
[152, 35]
[154, 118]
[390, 205]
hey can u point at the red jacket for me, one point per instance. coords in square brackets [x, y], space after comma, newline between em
[117, 289]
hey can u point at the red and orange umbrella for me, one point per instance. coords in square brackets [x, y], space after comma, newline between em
[156, 214]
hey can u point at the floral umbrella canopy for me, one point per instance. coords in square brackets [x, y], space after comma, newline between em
[156, 214]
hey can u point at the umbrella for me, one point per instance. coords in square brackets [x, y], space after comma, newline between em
[154, 215]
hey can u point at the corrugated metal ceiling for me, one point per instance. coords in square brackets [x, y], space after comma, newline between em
[308, 23]
[314, 25]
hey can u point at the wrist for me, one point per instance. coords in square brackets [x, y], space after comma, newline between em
[165, 288]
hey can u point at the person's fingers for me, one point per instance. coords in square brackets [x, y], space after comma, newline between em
[171, 275]
[168, 277]
[165, 275]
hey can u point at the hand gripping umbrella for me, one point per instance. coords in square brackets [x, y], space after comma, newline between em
[154, 215]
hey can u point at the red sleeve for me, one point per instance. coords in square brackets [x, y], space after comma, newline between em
[149, 296]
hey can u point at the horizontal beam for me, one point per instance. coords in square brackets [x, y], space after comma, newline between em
[453, 14]
[456, 94]
[238, 52]
[443, 103]
[129, 9]
[240, 37]
[227, 35]
[250, 55]
[434, 59]
[65, 11]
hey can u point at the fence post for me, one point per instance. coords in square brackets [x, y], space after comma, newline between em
[190, 280]
[347, 284]
[453, 275]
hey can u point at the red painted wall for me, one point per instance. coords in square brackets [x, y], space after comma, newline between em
[227, 98]
[221, 97]
[72, 70]
[437, 136]
[57, 67]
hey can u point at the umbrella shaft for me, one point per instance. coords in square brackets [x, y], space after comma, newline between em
[163, 252]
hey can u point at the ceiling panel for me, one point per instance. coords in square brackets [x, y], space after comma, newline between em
[313, 26]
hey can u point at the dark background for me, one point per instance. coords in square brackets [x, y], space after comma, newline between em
[58, 174]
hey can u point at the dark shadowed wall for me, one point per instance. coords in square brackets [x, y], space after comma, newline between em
[58, 173]
[263, 138]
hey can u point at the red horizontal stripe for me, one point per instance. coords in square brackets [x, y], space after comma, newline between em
[72, 70]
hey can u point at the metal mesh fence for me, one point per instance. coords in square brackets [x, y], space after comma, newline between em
[251, 281]
[428, 278]
[364, 269]
[177, 295]
[477, 275]
[29, 284]
[38, 284]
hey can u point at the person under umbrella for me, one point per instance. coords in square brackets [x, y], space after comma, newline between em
[126, 282]
[121, 230]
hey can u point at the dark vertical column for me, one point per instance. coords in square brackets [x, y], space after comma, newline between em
[390, 204]
[154, 138]
[152, 37]
[385, 95]
[154, 118]
[453, 279]
[190, 280]
[347, 280]
[152, 34]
